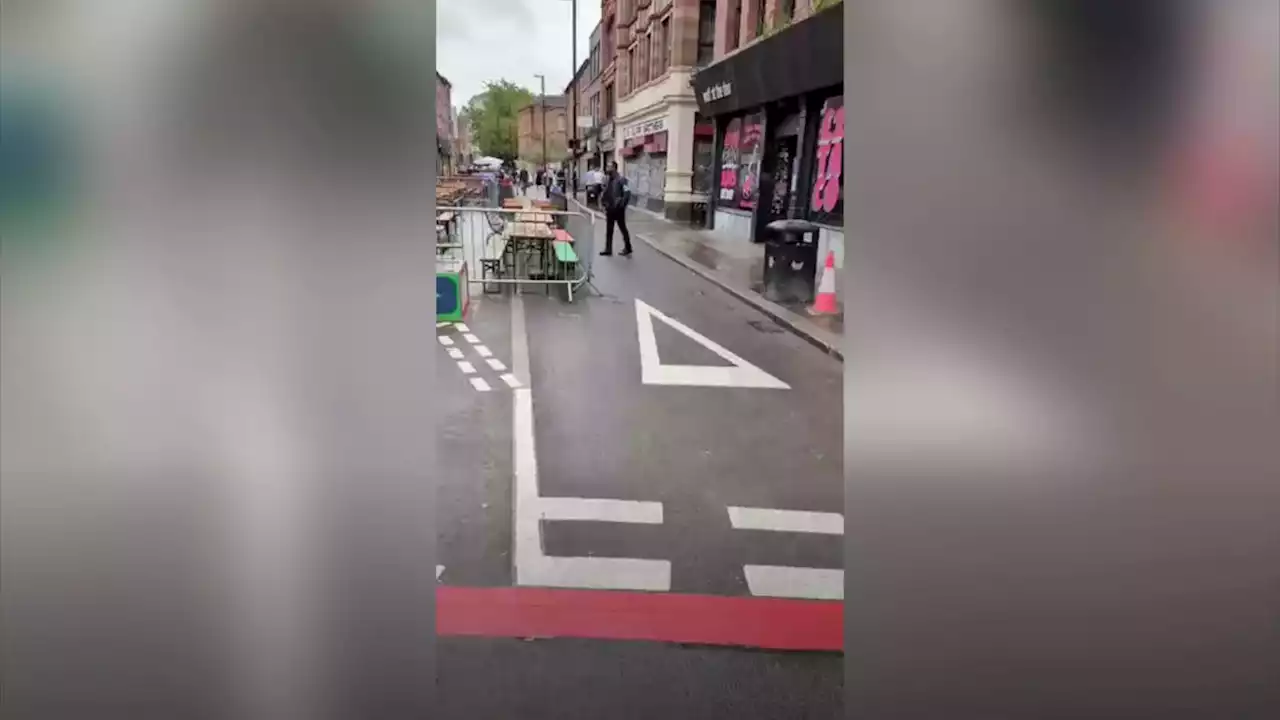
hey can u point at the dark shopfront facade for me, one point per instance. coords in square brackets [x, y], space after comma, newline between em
[778, 112]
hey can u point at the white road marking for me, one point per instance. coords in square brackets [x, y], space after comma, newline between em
[511, 380]
[799, 521]
[443, 324]
[462, 327]
[601, 510]
[466, 367]
[445, 340]
[483, 351]
[794, 582]
[455, 353]
[531, 566]
[480, 384]
[653, 372]
[496, 364]
[593, 573]
[471, 338]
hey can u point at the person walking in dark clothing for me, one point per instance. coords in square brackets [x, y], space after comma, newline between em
[614, 200]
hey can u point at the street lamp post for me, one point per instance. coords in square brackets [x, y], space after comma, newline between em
[573, 154]
[543, 102]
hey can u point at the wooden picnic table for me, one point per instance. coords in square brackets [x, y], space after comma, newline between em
[525, 238]
[446, 222]
[533, 217]
[528, 231]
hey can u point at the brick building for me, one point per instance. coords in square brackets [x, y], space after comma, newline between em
[658, 126]
[444, 126]
[530, 131]
[577, 94]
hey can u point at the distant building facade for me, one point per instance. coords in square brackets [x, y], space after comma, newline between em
[531, 130]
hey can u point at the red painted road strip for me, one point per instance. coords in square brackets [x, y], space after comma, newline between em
[522, 612]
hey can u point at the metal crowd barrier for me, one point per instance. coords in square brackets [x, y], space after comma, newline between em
[499, 253]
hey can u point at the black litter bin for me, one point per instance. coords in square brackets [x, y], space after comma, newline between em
[791, 261]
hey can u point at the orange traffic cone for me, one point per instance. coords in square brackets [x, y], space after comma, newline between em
[825, 303]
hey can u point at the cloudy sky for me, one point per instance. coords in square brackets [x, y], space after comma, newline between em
[484, 40]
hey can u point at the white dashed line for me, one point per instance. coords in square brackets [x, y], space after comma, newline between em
[784, 581]
[482, 350]
[798, 521]
[795, 582]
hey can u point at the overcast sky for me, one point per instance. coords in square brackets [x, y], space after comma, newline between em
[484, 40]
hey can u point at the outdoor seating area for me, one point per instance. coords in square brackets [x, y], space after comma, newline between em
[518, 245]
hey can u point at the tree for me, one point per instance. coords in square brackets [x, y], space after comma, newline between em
[492, 115]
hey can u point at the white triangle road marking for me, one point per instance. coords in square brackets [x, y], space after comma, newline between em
[653, 372]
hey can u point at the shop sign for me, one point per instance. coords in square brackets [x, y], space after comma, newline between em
[719, 91]
[606, 133]
[647, 127]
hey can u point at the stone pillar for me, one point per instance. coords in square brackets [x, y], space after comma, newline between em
[678, 197]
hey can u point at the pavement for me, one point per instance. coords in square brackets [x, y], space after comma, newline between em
[648, 481]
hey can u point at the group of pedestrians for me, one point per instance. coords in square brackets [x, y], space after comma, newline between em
[614, 197]
[542, 178]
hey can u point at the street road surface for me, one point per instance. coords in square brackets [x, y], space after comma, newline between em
[653, 470]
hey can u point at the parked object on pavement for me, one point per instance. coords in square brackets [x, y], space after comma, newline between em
[790, 261]
[594, 180]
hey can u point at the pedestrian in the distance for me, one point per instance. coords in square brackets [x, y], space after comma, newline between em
[614, 199]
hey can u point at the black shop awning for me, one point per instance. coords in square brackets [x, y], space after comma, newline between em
[802, 58]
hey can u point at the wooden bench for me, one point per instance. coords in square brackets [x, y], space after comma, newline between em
[565, 254]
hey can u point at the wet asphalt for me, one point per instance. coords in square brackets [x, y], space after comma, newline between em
[602, 433]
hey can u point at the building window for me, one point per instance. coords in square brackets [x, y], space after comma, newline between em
[664, 45]
[608, 102]
[786, 11]
[706, 33]
[632, 71]
[642, 60]
[734, 26]
[655, 54]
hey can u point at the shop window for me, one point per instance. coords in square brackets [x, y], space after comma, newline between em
[826, 197]
[706, 33]
[740, 162]
[703, 152]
